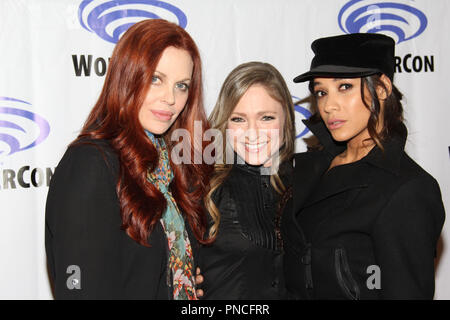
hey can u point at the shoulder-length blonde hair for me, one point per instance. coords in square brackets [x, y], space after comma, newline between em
[236, 84]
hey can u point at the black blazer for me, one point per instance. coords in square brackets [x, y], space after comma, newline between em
[383, 212]
[83, 229]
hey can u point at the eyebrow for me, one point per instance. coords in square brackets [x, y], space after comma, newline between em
[162, 74]
[315, 83]
[259, 113]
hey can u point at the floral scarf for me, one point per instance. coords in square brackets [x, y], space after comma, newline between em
[181, 260]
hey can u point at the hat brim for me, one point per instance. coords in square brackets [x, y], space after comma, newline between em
[333, 71]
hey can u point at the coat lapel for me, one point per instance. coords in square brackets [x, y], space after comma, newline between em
[309, 168]
[338, 183]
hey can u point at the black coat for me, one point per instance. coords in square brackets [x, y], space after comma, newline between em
[83, 229]
[245, 260]
[383, 211]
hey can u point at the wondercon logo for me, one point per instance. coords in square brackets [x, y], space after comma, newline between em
[109, 19]
[300, 114]
[20, 129]
[396, 18]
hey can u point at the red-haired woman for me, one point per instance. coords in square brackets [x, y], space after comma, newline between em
[121, 217]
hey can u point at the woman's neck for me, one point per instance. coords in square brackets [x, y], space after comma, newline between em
[357, 149]
[354, 153]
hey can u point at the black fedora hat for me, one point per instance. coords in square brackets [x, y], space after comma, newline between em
[351, 56]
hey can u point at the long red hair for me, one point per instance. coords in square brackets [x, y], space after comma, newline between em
[115, 118]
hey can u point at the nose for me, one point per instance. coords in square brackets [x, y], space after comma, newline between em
[168, 95]
[331, 103]
[252, 131]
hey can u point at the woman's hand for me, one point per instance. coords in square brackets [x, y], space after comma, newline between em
[199, 280]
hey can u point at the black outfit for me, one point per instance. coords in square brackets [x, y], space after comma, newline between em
[245, 261]
[83, 229]
[383, 210]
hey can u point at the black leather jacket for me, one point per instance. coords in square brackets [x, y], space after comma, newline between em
[245, 261]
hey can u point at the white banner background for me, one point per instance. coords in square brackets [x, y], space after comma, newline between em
[38, 39]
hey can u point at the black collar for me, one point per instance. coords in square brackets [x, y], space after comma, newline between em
[389, 159]
[240, 163]
[284, 171]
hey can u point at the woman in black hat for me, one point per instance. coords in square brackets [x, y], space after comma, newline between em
[364, 219]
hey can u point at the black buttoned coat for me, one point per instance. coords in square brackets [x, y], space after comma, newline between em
[83, 231]
[366, 230]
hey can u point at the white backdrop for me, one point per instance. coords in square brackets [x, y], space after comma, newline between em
[43, 102]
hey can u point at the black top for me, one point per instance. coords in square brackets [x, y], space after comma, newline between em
[83, 230]
[245, 261]
[364, 230]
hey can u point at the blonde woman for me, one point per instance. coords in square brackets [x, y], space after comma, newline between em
[255, 115]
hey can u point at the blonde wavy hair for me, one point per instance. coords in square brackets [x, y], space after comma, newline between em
[236, 84]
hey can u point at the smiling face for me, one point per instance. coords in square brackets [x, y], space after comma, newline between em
[168, 92]
[342, 108]
[255, 127]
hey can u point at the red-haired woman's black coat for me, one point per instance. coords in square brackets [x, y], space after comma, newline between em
[83, 230]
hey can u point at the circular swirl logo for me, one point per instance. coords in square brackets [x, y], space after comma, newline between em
[395, 18]
[300, 114]
[109, 19]
[20, 129]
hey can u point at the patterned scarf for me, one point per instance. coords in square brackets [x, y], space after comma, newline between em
[181, 260]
